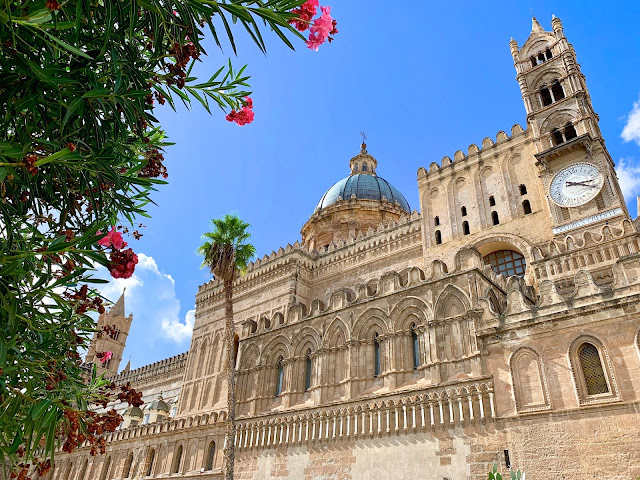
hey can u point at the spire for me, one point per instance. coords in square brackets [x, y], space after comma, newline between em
[127, 367]
[118, 309]
[535, 26]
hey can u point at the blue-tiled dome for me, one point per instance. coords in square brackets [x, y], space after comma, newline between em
[364, 186]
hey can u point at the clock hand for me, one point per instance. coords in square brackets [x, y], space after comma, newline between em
[583, 183]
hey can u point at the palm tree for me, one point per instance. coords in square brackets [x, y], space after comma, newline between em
[226, 253]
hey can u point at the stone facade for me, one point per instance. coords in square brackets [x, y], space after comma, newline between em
[497, 323]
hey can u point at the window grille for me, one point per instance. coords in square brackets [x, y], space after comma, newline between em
[594, 377]
[507, 262]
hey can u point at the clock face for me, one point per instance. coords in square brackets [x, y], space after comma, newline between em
[576, 185]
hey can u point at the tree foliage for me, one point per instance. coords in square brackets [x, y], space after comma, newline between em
[81, 150]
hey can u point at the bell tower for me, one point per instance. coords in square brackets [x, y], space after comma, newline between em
[112, 340]
[576, 170]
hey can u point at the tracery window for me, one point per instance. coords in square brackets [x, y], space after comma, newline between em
[211, 452]
[177, 460]
[541, 57]
[307, 372]
[279, 377]
[415, 347]
[507, 262]
[592, 371]
[152, 457]
[376, 355]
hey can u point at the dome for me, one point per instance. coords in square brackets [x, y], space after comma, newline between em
[363, 186]
[160, 405]
[133, 412]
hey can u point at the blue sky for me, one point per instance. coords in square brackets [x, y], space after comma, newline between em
[423, 80]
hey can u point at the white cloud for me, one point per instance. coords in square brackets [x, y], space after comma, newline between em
[631, 131]
[151, 296]
[629, 178]
[180, 331]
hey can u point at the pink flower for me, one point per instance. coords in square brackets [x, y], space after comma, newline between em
[244, 116]
[321, 29]
[304, 14]
[104, 357]
[112, 239]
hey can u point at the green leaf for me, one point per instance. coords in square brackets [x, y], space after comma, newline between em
[65, 45]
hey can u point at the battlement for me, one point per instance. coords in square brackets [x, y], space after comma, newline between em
[473, 152]
[316, 261]
[175, 364]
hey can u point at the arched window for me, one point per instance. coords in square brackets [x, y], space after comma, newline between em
[376, 355]
[307, 371]
[548, 54]
[127, 466]
[523, 189]
[211, 452]
[150, 460]
[436, 221]
[463, 211]
[526, 206]
[105, 469]
[570, 132]
[364, 167]
[465, 228]
[557, 91]
[563, 135]
[592, 371]
[279, 377]
[492, 201]
[506, 262]
[177, 461]
[541, 58]
[415, 347]
[545, 95]
[438, 237]
[494, 218]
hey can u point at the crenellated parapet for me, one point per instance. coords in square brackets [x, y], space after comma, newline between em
[474, 153]
[164, 369]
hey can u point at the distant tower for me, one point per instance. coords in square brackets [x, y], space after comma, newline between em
[113, 342]
[575, 167]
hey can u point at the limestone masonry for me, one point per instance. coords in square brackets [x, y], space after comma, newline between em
[501, 323]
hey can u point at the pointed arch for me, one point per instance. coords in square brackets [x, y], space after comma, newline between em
[337, 333]
[307, 337]
[250, 356]
[409, 310]
[371, 319]
[277, 347]
[452, 302]
[215, 348]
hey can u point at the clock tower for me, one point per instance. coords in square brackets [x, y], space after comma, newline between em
[576, 171]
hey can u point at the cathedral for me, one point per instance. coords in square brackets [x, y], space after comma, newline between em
[497, 322]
